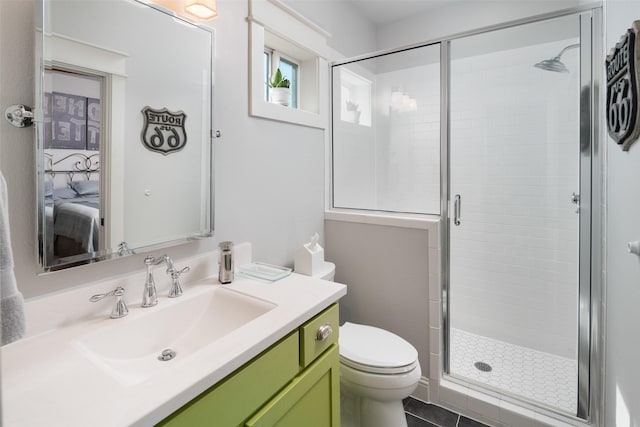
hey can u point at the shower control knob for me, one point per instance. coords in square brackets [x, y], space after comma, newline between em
[634, 247]
[575, 198]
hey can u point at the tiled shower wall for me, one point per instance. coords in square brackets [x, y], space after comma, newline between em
[408, 143]
[394, 164]
[515, 163]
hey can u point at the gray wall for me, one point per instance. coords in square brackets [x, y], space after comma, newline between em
[387, 273]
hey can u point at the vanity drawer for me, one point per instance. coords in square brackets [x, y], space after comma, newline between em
[311, 344]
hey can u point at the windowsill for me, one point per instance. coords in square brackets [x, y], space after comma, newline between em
[269, 110]
[417, 221]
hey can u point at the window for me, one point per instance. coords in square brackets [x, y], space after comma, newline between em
[289, 70]
[299, 49]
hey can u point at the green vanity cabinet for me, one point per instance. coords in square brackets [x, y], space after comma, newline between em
[294, 383]
[311, 400]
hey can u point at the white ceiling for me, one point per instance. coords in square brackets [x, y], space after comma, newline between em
[386, 11]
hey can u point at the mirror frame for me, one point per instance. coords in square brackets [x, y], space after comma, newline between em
[111, 253]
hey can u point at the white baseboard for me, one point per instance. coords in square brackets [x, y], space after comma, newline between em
[422, 391]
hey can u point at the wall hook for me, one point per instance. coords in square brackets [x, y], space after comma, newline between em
[19, 115]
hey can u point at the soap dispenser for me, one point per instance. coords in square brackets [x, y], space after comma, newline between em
[225, 266]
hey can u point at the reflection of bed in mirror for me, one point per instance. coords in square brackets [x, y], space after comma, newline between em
[72, 203]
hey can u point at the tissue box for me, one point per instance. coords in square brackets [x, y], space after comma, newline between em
[307, 261]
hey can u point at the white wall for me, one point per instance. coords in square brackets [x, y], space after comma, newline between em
[622, 389]
[351, 33]
[269, 176]
[462, 16]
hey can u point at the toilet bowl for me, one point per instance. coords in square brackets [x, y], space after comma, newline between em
[377, 370]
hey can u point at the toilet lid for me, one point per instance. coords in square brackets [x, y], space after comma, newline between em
[375, 350]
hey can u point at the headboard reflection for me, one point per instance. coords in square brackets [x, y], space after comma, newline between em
[72, 204]
[77, 165]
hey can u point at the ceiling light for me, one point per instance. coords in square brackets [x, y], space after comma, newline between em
[201, 9]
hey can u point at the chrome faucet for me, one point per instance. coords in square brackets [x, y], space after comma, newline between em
[150, 296]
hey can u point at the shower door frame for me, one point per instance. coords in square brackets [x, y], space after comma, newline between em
[590, 315]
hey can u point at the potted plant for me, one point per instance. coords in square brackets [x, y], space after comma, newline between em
[353, 112]
[279, 90]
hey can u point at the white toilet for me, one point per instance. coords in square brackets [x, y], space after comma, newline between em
[377, 370]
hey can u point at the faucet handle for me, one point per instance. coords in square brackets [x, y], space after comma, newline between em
[120, 307]
[176, 288]
[177, 273]
[150, 260]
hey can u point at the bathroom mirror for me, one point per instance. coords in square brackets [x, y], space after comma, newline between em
[123, 130]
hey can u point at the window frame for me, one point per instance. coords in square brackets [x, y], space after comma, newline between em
[294, 79]
[274, 24]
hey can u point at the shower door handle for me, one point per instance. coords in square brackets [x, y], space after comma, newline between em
[457, 206]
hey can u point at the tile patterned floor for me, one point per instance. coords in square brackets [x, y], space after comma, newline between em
[420, 414]
[543, 377]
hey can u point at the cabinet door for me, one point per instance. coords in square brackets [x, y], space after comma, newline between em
[230, 402]
[312, 399]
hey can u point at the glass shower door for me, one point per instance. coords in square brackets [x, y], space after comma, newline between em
[514, 232]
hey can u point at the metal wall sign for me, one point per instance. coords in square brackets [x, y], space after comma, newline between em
[163, 130]
[623, 77]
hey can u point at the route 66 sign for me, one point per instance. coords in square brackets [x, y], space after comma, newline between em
[623, 76]
[163, 130]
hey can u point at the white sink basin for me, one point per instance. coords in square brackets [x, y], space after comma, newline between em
[128, 348]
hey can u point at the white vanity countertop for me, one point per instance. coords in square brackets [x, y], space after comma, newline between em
[47, 381]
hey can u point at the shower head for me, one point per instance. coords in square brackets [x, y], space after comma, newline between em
[554, 64]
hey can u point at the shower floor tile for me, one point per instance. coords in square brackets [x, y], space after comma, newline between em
[538, 376]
